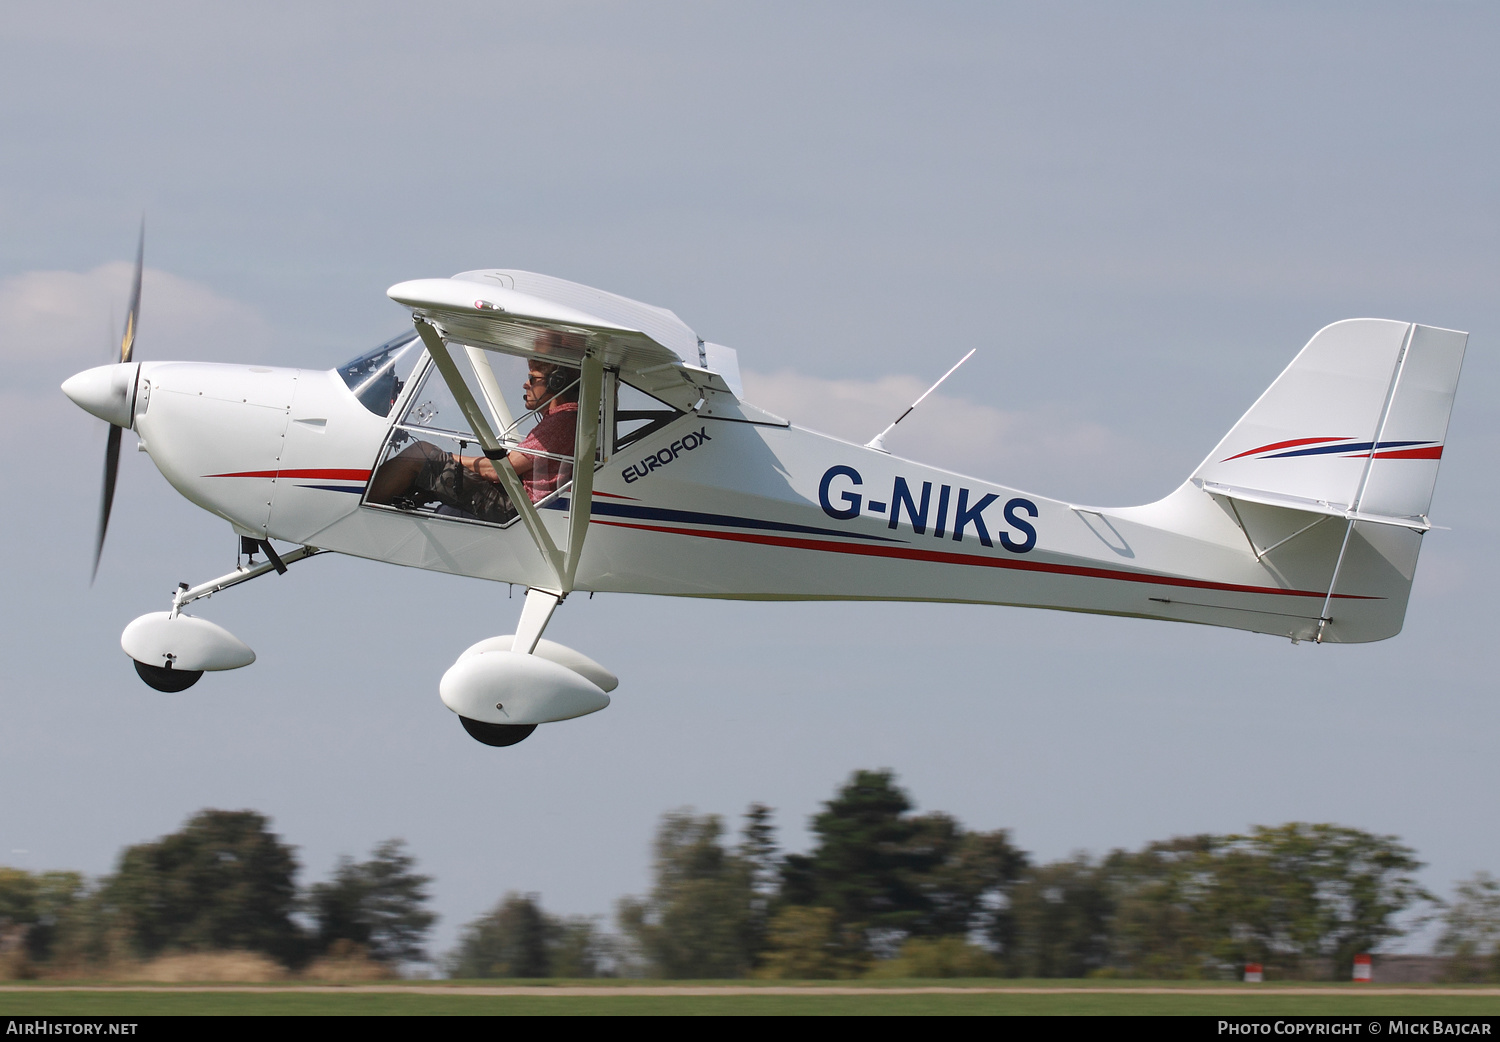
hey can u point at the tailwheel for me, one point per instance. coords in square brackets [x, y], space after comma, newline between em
[165, 679]
[499, 735]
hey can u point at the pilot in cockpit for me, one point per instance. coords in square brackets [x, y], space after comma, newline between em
[469, 484]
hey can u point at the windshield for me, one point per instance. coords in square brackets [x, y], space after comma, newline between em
[376, 377]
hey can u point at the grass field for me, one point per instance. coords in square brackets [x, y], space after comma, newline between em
[893, 998]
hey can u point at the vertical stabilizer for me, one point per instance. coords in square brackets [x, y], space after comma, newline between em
[1356, 421]
[1351, 435]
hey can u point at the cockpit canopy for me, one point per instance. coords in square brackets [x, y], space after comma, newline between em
[431, 462]
[377, 377]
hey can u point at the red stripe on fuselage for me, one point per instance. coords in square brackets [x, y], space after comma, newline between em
[326, 475]
[940, 557]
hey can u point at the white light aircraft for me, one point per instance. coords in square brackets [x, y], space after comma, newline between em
[633, 464]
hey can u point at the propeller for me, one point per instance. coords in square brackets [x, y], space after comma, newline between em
[112, 446]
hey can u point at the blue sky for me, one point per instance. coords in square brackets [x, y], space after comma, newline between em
[1136, 213]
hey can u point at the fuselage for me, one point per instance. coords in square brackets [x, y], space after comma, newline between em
[710, 506]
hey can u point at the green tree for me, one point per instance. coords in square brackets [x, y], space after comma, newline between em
[224, 881]
[511, 941]
[35, 909]
[1163, 899]
[806, 944]
[17, 896]
[698, 919]
[577, 947]
[868, 860]
[1471, 930]
[888, 874]
[518, 939]
[1300, 896]
[969, 891]
[1061, 916]
[758, 855]
[375, 904]
[938, 957]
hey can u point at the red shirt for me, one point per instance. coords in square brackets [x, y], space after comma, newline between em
[555, 433]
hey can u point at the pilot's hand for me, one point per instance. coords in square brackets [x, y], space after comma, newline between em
[480, 467]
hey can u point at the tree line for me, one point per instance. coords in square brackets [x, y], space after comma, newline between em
[889, 892]
[883, 891]
[224, 882]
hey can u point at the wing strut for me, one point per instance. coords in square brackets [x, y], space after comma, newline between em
[493, 449]
[585, 450]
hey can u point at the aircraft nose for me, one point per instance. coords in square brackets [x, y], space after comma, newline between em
[107, 391]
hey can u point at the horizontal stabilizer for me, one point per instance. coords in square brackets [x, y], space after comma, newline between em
[1309, 506]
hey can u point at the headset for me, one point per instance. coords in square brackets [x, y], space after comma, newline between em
[558, 380]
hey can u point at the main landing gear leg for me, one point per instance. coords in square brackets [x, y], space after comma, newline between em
[535, 614]
[278, 563]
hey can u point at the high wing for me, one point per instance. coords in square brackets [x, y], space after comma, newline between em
[506, 310]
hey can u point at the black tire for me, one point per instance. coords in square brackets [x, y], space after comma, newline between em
[499, 735]
[167, 679]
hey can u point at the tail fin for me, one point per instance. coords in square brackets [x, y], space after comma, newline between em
[1356, 422]
[1353, 430]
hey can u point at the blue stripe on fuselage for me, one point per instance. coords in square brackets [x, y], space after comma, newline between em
[724, 520]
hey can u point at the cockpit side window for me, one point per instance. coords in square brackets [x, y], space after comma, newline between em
[432, 463]
[637, 414]
[377, 377]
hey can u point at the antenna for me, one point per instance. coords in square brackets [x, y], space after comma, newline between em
[878, 442]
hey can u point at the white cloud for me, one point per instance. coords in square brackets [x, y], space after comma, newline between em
[1042, 450]
[58, 322]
